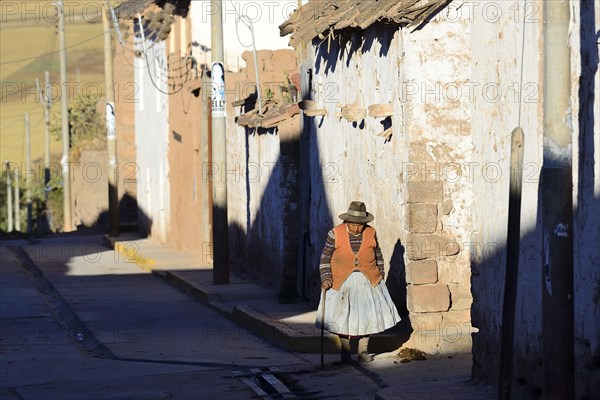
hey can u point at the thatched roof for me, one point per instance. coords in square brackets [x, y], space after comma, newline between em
[319, 17]
[129, 9]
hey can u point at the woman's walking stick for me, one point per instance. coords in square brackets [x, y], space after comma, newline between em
[324, 296]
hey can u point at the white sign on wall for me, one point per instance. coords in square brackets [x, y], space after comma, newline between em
[218, 89]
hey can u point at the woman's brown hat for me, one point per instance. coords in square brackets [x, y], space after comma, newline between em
[357, 213]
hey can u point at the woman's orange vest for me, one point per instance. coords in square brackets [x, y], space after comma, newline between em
[344, 261]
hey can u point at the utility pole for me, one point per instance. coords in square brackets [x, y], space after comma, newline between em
[557, 207]
[9, 197]
[28, 172]
[219, 150]
[64, 111]
[111, 137]
[45, 99]
[17, 202]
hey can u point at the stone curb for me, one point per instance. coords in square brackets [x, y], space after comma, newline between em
[282, 335]
[278, 333]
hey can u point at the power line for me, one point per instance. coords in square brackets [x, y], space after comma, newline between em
[50, 53]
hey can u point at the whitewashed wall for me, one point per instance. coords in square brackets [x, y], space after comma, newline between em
[348, 162]
[496, 44]
[255, 202]
[497, 49]
[152, 135]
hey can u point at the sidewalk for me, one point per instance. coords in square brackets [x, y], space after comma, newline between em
[291, 326]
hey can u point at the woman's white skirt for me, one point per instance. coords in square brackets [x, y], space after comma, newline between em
[358, 308]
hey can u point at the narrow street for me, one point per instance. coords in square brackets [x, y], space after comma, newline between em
[94, 326]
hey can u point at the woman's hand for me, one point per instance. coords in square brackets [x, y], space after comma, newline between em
[326, 285]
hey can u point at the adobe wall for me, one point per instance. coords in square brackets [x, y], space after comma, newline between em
[125, 98]
[261, 176]
[187, 137]
[89, 187]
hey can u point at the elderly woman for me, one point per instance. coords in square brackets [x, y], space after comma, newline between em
[357, 303]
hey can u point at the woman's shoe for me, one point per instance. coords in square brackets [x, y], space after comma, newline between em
[365, 357]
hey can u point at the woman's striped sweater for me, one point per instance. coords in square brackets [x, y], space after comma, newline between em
[355, 242]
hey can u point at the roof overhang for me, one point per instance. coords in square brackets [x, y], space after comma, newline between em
[318, 18]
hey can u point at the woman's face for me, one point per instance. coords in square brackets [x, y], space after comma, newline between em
[355, 228]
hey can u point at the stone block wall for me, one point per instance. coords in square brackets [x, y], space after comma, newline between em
[439, 192]
[439, 306]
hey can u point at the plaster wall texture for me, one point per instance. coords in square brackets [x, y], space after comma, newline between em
[494, 118]
[152, 142]
[347, 160]
[256, 173]
[498, 44]
[187, 166]
[585, 90]
[256, 180]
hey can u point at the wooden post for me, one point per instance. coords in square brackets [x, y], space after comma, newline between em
[17, 202]
[64, 112]
[512, 263]
[111, 134]
[9, 210]
[28, 172]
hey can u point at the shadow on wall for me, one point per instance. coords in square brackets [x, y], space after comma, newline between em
[275, 245]
[396, 280]
[270, 244]
[331, 51]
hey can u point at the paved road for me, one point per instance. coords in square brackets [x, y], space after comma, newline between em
[79, 322]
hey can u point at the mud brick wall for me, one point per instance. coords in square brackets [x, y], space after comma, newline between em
[262, 180]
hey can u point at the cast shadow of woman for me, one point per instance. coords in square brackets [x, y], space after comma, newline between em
[396, 284]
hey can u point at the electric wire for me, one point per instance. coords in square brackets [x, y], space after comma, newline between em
[53, 52]
[522, 63]
[237, 23]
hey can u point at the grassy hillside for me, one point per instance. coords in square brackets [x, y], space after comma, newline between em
[28, 47]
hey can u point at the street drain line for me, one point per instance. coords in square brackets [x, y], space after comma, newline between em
[264, 383]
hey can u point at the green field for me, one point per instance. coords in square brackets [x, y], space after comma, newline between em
[29, 47]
